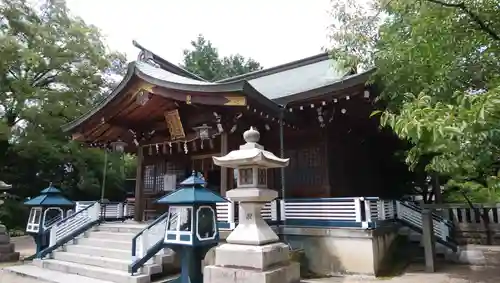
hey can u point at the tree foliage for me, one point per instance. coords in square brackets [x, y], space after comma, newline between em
[53, 67]
[204, 60]
[439, 64]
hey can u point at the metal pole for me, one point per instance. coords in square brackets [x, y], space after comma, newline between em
[282, 155]
[104, 171]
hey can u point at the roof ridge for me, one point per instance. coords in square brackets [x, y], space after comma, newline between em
[279, 68]
[167, 65]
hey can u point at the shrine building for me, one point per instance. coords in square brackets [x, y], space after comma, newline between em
[310, 110]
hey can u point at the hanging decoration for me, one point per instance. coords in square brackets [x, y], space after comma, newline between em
[320, 117]
[202, 132]
[218, 119]
[174, 124]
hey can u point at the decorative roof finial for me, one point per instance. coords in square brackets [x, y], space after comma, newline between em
[251, 135]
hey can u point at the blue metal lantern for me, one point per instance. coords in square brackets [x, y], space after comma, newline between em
[192, 224]
[46, 210]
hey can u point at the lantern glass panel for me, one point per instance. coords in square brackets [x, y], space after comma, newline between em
[179, 219]
[206, 223]
[38, 215]
[185, 219]
[245, 176]
[173, 218]
[35, 214]
[51, 216]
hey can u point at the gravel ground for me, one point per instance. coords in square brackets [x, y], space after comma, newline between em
[24, 245]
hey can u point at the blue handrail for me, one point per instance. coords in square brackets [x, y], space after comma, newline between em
[138, 262]
[71, 235]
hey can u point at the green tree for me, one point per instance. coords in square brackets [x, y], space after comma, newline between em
[203, 60]
[438, 62]
[53, 67]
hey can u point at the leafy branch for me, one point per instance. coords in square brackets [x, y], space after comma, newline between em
[484, 27]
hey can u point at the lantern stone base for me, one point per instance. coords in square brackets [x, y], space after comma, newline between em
[7, 252]
[260, 264]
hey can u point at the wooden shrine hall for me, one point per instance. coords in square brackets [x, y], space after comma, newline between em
[309, 110]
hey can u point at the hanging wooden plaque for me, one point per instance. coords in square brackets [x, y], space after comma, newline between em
[174, 124]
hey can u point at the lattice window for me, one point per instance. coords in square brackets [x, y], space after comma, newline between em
[245, 176]
[159, 172]
[149, 177]
[306, 168]
[154, 175]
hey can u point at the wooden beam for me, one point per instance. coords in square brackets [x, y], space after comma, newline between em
[139, 188]
[233, 99]
[223, 170]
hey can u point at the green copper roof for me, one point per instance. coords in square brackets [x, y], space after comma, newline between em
[192, 191]
[49, 197]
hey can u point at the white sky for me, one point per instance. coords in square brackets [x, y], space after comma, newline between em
[272, 32]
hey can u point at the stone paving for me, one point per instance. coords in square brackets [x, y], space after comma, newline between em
[489, 273]
[449, 273]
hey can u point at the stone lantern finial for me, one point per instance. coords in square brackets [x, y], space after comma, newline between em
[251, 135]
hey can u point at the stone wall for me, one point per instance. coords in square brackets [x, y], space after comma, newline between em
[477, 233]
[337, 251]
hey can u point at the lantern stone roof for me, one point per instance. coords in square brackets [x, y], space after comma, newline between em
[251, 154]
[49, 197]
[4, 186]
[192, 191]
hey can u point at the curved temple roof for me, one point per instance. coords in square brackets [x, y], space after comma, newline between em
[302, 79]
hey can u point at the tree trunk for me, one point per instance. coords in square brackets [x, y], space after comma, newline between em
[436, 188]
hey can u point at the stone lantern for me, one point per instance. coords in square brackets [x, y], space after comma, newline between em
[7, 249]
[253, 252]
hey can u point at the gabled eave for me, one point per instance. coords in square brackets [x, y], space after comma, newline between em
[147, 74]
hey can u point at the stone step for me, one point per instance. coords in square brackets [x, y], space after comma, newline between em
[102, 243]
[99, 251]
[105, 262]
[121, 228]
[91, 271]
[29, 273]
[112, 236]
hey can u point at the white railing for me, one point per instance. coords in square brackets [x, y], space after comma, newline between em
[81, 205]
[226, 212]
[383, 209]
[148, 239]
[68, 226]
[347, 212]
[110, 211]
[411, 214]
[326, 209]
[128, 210]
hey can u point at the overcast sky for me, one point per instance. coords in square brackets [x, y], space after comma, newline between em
[270, 31]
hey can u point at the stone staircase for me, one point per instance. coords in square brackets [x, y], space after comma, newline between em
[104, 253]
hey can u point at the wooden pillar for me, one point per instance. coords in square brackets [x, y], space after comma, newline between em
[139, 187]
[429, 240]
[223, 170]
